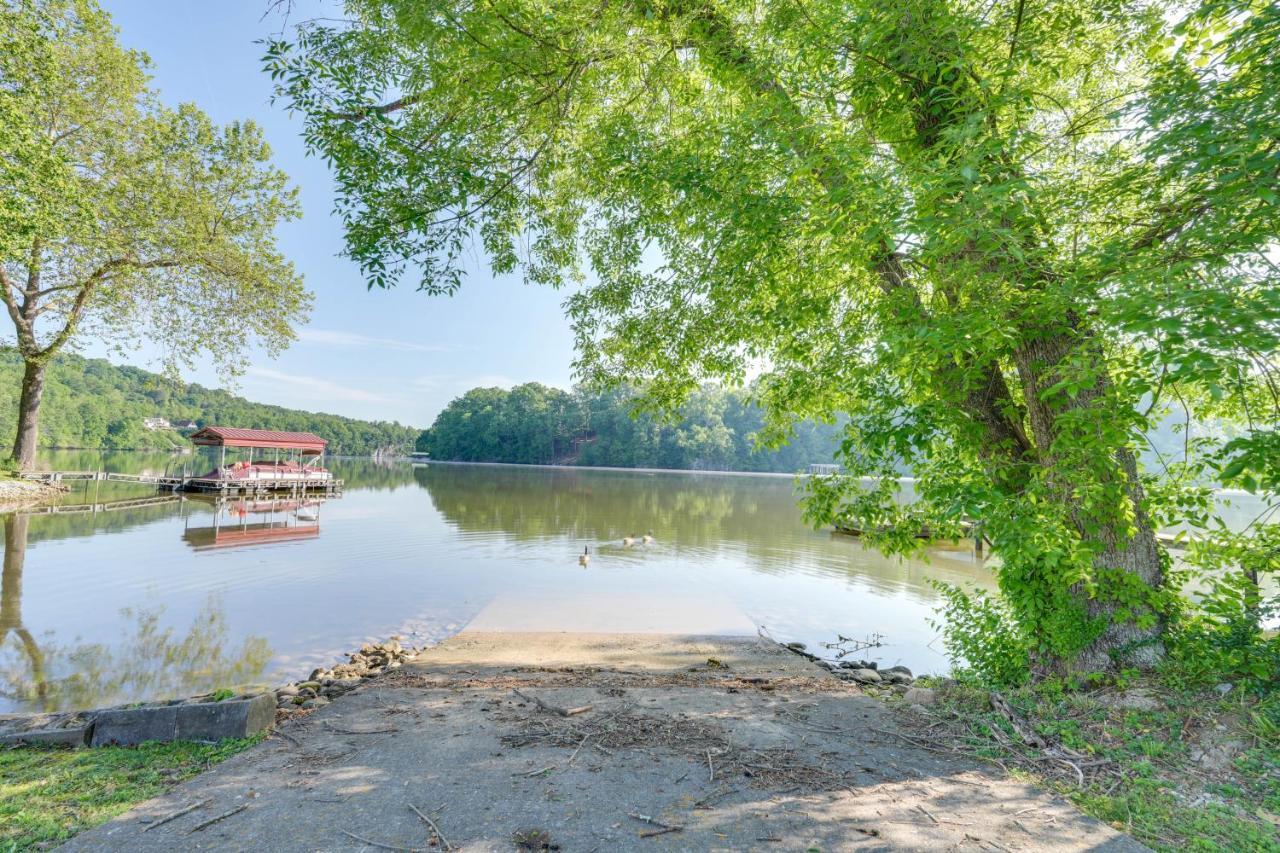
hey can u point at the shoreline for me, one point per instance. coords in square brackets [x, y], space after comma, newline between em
[18, 494]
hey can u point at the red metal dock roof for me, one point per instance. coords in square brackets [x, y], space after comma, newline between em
[215, 436]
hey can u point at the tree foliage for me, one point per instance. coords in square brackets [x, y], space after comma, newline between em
[715, 429]
[1005, 239]
[123, 220]
[90, 403]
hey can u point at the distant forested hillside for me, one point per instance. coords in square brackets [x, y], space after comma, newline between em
[536, 424]
[92, 403]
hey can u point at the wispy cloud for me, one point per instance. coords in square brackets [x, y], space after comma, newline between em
[335, 338]
[321, 390]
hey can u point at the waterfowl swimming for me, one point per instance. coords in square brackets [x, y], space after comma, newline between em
[648, 537]
[628, 541]
[585, 556]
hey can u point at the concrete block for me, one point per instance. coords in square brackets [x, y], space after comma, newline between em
[132, 726]
[74, 736]
[232, 718]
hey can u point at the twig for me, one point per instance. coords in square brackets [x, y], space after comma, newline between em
[444, 842]
[179, 813]
[926, 813]
[1004, 709]
[293, 740]
[331, 727]
[552, 709]
[662, 828]
[211, 821]
[381, 844]
[549, 767]
[579, 749]
[711, 768]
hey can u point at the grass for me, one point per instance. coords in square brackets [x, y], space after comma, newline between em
[1139, 765]
[49, 795]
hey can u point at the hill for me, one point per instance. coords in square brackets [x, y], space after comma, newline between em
[532, 423]
[91, 403]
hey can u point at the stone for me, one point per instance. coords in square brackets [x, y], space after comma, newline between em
[74, 736]
[132, 726]
[317, 702]
[345, 684]
[1132, 700]
[865, 676]
[920, 696]
[309, 685]
[859, 664]
[233, 718]
[896, 675]
[288, 690]
[797, 647]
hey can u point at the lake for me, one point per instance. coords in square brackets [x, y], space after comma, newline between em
[184, 595]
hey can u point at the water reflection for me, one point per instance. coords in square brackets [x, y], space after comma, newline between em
[151, 662]
[246, 521]
[129, 597]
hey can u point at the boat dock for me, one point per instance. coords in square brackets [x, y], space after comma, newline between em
[202, 485]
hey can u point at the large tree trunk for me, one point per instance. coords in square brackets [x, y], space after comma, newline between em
[24, 444]
[1119, 546]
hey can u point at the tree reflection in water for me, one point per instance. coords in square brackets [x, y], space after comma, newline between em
[151, 662]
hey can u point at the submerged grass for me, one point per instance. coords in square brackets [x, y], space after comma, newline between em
[48, 795]
[1179, 771]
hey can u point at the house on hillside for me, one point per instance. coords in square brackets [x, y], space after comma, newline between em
[184, 424]
[156, 423]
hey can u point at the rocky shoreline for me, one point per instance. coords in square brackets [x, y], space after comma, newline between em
[15, 494]
[328, 683]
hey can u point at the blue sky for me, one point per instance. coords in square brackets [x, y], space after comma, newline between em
[395, 354]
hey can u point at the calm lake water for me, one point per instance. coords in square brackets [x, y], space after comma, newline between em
[186, 595]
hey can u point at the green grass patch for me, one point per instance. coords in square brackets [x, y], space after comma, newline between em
[49, 795]
[1140, 769]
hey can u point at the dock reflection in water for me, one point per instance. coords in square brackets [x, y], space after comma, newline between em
[246, 521]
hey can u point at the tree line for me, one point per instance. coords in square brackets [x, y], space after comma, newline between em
[716, 429]
[91, 403]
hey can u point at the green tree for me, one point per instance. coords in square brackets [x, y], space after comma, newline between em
[121, 219]
[1001, 238]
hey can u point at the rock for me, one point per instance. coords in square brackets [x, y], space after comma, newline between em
[395, 664]
[920, 696]
[1216, 752]
[859, 664]
[317, 702]
[75, 736]
[865, 676]
[317, 674]
[309, 685]
[306, 693]
[287, 690]
[896, 675]
[1136, 699]
[797, 647]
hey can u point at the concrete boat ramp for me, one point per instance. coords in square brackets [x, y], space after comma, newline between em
[499, 741]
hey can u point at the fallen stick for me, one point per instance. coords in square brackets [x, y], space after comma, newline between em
[382, 844]
[579, 749]
[179, 813]
[552, 709]
[546, 769]
[331, 727]
[211, 821]
[653, 832]
[1004, 709]
[653, 821]
[444, 842]
[711, 768]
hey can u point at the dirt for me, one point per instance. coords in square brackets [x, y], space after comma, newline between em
[598, 743]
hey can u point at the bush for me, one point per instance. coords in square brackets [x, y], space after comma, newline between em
[982, 639]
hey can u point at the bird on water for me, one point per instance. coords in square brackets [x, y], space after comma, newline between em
[648, 537]
[585, 556]
[628, 541]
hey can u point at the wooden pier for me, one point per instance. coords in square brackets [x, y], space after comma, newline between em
[204, 485]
